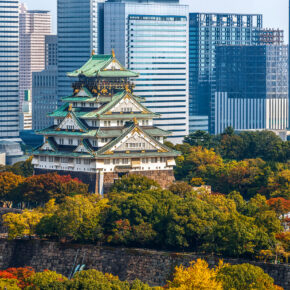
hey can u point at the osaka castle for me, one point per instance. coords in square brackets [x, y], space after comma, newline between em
[102, 131]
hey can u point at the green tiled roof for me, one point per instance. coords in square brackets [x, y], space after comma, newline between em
[101, 132]
[125, 133]
[95, 66]
[79, 99]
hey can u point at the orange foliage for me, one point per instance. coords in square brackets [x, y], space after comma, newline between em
[279, 204]
[19, 274]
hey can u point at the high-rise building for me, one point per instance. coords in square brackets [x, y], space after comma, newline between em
[206, 31]
[44, 87]
[251, 88]
[270, 36]
[9, 69]
[78, 35]
[34, 26]
[50, 50]
[103, 132]
[151, 37]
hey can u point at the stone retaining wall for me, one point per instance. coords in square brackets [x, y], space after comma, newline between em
[153, 267]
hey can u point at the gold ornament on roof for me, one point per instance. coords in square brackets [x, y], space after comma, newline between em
[113, 53]
[93, 52]
[135, 121]
[70, 107]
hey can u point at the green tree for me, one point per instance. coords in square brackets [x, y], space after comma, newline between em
[9, 284]
[134, 183]
[77, 218]
[245, 276]
[199, 138]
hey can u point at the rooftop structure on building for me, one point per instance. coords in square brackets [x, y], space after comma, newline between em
[270, 36]
[103, 131]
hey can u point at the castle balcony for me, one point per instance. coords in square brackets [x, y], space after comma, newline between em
[124, 168]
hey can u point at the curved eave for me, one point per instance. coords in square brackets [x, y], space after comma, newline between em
[63, 154]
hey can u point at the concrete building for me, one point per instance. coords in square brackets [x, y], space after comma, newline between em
[103, 131]
[34, 26]
[9, 69]
[151, 37]
[78, 35]
[251, 88]
[206, 31]
[44, 87]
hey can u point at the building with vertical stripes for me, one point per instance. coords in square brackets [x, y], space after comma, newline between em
[78, 35]
[151, 37]
[34, 26]
[206, 31]
[9, 69]
[251, 88]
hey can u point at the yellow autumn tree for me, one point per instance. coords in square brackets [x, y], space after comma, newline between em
[197, 276]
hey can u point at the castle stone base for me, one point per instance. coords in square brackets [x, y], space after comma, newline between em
[163, 177]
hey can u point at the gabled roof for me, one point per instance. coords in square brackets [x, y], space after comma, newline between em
[117, 98]
[71, 115]
[85, 147]
[97, 66]
[49, 145]
[107, 149]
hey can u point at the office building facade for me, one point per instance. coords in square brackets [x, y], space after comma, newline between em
[9, 69]
[34, 26]
[251, 88]
[78, 35]
[206, 31]
[151, 37]
[44, 87]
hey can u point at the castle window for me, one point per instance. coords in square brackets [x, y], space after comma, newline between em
[70, 127]
[64, 160]
[107, 123]
[61, 141]
[125, 161]
[144, 160]
[79, 141]
[91, 104]
[50, 159]
[78, 161]
[70, 141]
[87, 161]
[75, 104]
[154, 160]
[42, 158]
[127, 110]
[107, 161]
[95, 143]
[58, 121]
[94, 123]
[104, 140]
[120, 123]
[116, 161]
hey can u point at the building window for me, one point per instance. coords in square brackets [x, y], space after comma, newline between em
[87, 161]
[94, 123]
[135, 145]
[95, 143]
[42, 158]
[145, 160]
[64, 160]
[61, 141]
[78, 161]
[79, 141]
[127, 110]
[50, 159]
[70, 141]
[91, 104]
[104, 140]
[70, 127]
[162, 159]
[107, 161]
[125, 161]
[116, 161]
[154, 160]
[107, 123]
[120, 123]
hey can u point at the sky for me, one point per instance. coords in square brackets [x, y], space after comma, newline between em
[275, 11]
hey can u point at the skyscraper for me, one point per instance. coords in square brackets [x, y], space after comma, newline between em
[151, 37]
[44, 87]
[206, 31]
[78, 36]
[9, 69]
[34, 26]
[251, 88]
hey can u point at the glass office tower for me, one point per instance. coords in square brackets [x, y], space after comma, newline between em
[206, 30]
[77, 25]
[251, 88]
[151, 37]
[9, 69]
